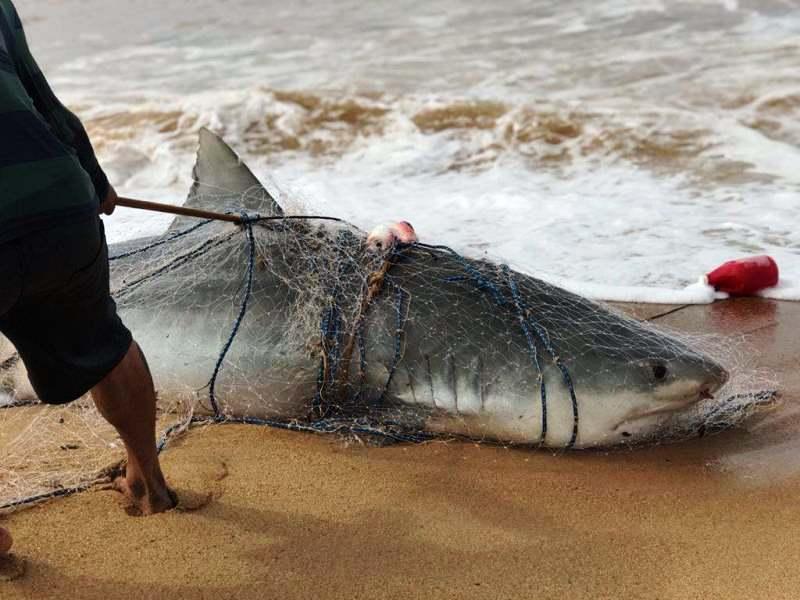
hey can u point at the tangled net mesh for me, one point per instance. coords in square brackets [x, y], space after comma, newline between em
[293, 322]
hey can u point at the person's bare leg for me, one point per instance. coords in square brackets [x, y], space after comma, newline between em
[127, 400]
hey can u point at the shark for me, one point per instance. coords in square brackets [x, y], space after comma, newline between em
[302, 318]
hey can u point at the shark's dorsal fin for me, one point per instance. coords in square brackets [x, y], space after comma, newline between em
[222, 183]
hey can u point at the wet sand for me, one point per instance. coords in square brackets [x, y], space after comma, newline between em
[288, 515]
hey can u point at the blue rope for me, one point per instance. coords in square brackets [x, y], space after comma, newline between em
[400, 297]
[251, 263]
[544, 338]
[331, 333]
[362, 350]
[531, 349]
[316, 404]
[329, 339]
[482, 282]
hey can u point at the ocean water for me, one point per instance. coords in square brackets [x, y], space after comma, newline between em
[620, 148]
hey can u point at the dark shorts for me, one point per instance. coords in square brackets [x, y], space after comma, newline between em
[56, 308]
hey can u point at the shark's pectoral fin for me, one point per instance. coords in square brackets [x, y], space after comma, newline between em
[223, 182]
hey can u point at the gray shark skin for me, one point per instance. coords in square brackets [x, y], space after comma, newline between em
[418, 339]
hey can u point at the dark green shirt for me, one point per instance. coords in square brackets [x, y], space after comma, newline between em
[48, 171]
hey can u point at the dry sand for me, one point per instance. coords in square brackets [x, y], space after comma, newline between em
[288, 515]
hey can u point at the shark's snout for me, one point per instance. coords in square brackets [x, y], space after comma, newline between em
[718, 376]
[691, 381]
[715, 378]
[710, 377]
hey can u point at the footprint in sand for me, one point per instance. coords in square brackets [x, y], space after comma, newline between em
[190, 500]
[193, 493]
[205, 485]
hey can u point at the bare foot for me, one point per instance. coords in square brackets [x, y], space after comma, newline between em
[6, 541]
[144, 501]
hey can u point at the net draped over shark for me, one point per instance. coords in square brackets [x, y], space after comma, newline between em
[416, 337]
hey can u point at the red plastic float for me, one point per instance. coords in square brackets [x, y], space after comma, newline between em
[746, 276]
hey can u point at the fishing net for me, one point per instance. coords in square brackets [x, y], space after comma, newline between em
[295, 322]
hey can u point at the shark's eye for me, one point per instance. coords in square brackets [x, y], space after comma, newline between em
[659, 371]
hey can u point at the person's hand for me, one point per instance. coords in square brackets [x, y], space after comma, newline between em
[108, 205]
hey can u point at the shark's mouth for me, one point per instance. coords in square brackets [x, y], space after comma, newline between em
[665, 409]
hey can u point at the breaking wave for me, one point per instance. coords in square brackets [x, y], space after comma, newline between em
[326, 126]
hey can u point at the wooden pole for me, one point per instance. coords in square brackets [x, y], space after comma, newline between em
[177, 210]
